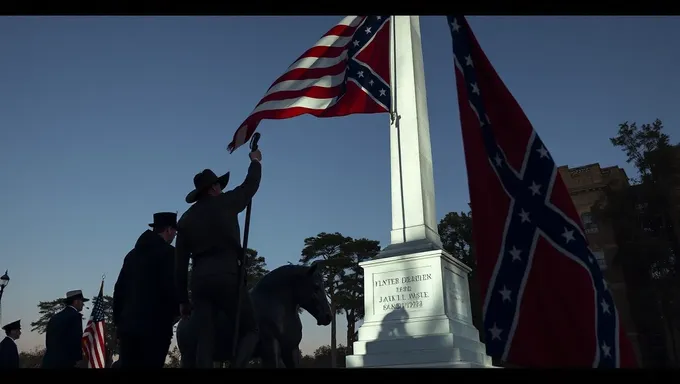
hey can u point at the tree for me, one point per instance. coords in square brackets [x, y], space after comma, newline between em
[324, 354]
[351, 289]
[174, 358]
[328, 247]
[32, 358]
[307, 361]
[644, 219]
[455, 230]
[110, 329]
[47, 309]
[256, 267]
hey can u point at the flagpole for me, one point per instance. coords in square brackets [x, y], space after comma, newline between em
[394, 118]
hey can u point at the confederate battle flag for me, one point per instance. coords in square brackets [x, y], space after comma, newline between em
[546, 302]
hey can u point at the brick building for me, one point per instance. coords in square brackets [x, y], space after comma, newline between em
[586, 186]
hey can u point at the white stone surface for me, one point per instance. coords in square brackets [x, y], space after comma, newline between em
[417, 303]
[417, 314]
[415, 227]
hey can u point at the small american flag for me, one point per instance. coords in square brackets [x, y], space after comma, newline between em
[345, 72]
[546, 301]
[94, 337]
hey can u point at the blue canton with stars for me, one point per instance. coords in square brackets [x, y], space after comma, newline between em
[361, 73]
[530, 215]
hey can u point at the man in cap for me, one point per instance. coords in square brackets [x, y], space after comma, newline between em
[145, 305]
[209, 233]
[9, 353]
[63, 348]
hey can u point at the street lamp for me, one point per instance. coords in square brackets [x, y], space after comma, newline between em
[4, 281]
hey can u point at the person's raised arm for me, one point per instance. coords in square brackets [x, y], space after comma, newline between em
[239, 197]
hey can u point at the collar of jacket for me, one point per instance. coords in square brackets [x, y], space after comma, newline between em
[149, 239]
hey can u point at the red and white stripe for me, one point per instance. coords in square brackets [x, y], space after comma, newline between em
[94, 344]
[312, 84]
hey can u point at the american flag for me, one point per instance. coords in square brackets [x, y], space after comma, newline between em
[546, 302]
[94, 336]
[345, 72]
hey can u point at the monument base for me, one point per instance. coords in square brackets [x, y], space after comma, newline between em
[417, 315]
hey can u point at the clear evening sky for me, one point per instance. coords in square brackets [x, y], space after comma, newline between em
[105, 120]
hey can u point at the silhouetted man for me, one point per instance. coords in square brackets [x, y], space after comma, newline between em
[145, 306]
[209, 233]
[9, 353]
[64, 334]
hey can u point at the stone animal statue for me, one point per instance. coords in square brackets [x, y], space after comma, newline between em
[276, 299]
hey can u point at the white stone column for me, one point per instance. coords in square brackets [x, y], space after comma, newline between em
[414, 221]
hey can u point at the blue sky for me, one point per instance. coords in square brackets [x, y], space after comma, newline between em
[105, 120]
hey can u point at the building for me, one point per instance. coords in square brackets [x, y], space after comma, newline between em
[586, 186]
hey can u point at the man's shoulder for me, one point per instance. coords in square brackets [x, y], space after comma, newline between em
[130, 255]
[198, 211]
[71, 313]
[5, 342]
[58, 316]
[186, 216]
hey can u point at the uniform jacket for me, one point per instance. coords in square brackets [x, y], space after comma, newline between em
[63, 339]
[144, 299]
[210, 226]
[9, 354]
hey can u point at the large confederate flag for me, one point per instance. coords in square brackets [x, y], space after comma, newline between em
[546, 302]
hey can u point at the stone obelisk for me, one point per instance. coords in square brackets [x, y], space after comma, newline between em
[416, 297]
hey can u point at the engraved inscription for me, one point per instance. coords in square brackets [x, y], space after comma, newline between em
[410, 289]
[457, 303]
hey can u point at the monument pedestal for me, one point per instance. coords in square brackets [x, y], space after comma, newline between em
[417, 315]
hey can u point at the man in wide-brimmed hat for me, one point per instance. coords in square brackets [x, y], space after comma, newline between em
[145, 305]
[64, 332]
[9, 353]
[209, 233]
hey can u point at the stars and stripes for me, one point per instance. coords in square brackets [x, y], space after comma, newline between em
[345, 72]
[546, 302]
[94, 336]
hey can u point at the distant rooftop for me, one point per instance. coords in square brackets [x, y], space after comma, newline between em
[591, 176]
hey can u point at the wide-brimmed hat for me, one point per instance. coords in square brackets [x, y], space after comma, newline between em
[12, 326]
[203, 181]
[75, 295]
[164, 219]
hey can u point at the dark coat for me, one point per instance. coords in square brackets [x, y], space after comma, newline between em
[210, 226]
[63, 339]
[9, 354]
[144, 299]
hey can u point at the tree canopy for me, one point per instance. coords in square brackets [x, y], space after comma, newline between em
[644, 218]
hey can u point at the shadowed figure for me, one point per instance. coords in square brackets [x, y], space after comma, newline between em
[393, 324]
[275, 299]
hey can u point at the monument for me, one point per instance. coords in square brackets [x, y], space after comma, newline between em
[416, 296]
